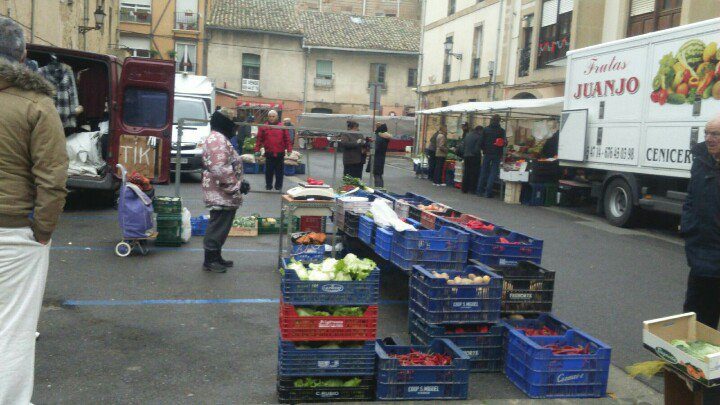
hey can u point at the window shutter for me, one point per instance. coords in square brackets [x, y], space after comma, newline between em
[566, 6]
[136, 2]
[549, 13]
[324, 68]
[251, 60]
[641, 7]
[134, 42]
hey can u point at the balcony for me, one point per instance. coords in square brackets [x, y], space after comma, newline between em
[135, 14]
[250, 86]
[524, 64]
[475, 68]
[326, 82]
[187, 21]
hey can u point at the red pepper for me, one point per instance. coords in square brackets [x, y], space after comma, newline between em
[415, 358]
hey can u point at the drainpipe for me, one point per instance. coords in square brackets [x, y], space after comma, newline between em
[497, 51]
[206, 38]
[418, 103]
[305, 76]
[32, 21]
[86, 21]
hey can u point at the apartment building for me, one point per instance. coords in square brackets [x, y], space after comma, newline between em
[165, 29]
[405, 9]
[76, 24]
[312, 61]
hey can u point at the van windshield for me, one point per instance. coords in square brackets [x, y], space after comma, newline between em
[187, 109]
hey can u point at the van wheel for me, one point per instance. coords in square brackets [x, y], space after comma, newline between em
[618, 203]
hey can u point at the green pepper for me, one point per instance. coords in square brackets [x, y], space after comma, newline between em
[676, 98]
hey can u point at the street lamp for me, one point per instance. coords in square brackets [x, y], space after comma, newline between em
[99, 21]
[448, 50]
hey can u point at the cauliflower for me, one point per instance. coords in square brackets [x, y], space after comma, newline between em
[317, 275]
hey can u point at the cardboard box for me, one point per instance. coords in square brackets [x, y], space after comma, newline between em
[658, 333]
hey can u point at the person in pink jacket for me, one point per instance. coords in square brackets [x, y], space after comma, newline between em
[276, 142]
[221, 185]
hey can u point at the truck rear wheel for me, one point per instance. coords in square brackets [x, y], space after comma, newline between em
[619, 203]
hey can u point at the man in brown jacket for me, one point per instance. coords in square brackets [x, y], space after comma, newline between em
[33, 171]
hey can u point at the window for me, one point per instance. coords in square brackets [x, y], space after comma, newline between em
[377, 73]
[189, 109]
[251, 66]
[554, 30]
[135, 46]
[412, 77]
[145, 108]
[477, 52]
[135, 11]
[451, 7]
[443, 118]
[324, 69]
[186, 57]
[525, 51]
[447, 68]
[653, 15]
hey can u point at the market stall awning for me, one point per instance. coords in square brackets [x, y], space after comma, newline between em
[536, 107]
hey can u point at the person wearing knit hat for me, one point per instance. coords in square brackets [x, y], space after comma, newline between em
[700, 226]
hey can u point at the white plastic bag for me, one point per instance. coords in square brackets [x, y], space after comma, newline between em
[186, 233]
[385, 217]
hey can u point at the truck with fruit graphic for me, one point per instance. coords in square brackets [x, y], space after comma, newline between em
[633, 110]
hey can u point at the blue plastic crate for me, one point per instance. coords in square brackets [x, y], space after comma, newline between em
[397, 382]
[484, 349]
[445, 238]
[290, 170]
[366, 230]
[533, 194]
[430, 265]
[199, 225]
[308, 253]
[300, 168]
[520, 245]
[350, 293]
[501, 260]
[437, 302]
[542, 374]
[549, 320]
[419, 255]
[384, 253]
[251, 168]
[295, 362]
[384, 238]
[366, 237]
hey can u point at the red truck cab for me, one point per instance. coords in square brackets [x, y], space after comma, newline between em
[133, 98]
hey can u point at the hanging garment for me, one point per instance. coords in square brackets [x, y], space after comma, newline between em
[66, 95]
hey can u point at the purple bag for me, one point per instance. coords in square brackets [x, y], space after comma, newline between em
[135, 212]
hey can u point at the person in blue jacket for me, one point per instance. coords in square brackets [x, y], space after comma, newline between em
[700, 226]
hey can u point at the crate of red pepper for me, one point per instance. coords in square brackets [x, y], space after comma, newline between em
[439, 370]
[506, 248]
[528, 289]
[303, 324]
[571, 365]
[543, 325]
[469, 296]
[482, 342]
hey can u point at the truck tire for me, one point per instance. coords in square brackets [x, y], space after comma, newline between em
[618, 203]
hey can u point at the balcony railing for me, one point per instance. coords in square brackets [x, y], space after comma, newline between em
[188, 67]
[135, 14]
[475, 68]
[251, 86]
[186, 21]
[325, 82]
[524, 66]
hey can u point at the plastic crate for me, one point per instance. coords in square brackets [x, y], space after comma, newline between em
[440, 266]
[445, 238]
[308, 253]
[420, 255]
[168, 220]
[295, 362]
[366, 230]
[309, 293]
[437, 302]
[476, 235]
[397, 382]
[384, 237]
[266, 227]
[527, 289]
[501, 260]
[167, 205]
[300, 168]
[251, 168]
[484, 349]
[290, 170]
[519, 245]
[541, 374]
[351, 224]
[551, 195]
[199, 225]
[313, 328]
[287, 393]
[533, 194]
[428, 218]
[543, 320]
[311, 224]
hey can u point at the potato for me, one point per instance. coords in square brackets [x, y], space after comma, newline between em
[445, 276]
[471, 276]
[486, 279]
[451, 282]
[479, 281]
[458, 279]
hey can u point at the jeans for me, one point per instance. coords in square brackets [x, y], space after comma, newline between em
[471, 171]
[218, 229]
[439, 168]
[274, 166]
[703, 298]
[431, 164]
[488, 175]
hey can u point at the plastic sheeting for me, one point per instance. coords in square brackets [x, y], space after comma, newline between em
[84, 153]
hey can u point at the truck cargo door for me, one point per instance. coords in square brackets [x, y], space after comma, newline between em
[143, 122]
[573, 135]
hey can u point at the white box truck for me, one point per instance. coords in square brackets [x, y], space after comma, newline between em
[633, 110]
[194, 99]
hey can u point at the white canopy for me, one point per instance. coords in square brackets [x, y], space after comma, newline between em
[535, 107]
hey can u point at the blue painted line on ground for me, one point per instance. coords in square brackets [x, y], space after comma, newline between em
[125, 303]
[158, 248]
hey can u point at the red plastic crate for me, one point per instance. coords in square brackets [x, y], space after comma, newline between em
[294, 327]
[458, 184]
[311, 224]
[320, 143]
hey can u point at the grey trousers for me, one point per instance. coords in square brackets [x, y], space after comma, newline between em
[218, 229]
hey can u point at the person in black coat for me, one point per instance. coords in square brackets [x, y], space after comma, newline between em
[492, 145]
[470, 151]
[382, 140]
[700, 226]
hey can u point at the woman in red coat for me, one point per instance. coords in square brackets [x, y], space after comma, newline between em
[276, 142]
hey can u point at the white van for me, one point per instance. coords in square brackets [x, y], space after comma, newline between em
[194, 133]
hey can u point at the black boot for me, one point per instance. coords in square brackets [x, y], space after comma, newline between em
[212, 263]
[226, 263]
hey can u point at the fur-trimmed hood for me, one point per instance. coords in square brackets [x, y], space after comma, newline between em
[17, 75]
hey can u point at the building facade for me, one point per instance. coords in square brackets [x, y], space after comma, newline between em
[406, 9]
[164, 29]
[58, 23]
[310, 60]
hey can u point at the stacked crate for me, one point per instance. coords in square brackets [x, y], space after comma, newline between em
[168, 221]
[296, 361]
[444, 249]
[466, 314]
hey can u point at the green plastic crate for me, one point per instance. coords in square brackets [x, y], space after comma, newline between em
[167, 205]
[169, 220]
[551, 191]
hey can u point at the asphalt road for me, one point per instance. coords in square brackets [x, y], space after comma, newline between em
[157, 329]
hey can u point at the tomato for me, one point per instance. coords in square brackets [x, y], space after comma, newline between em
[662, 96]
